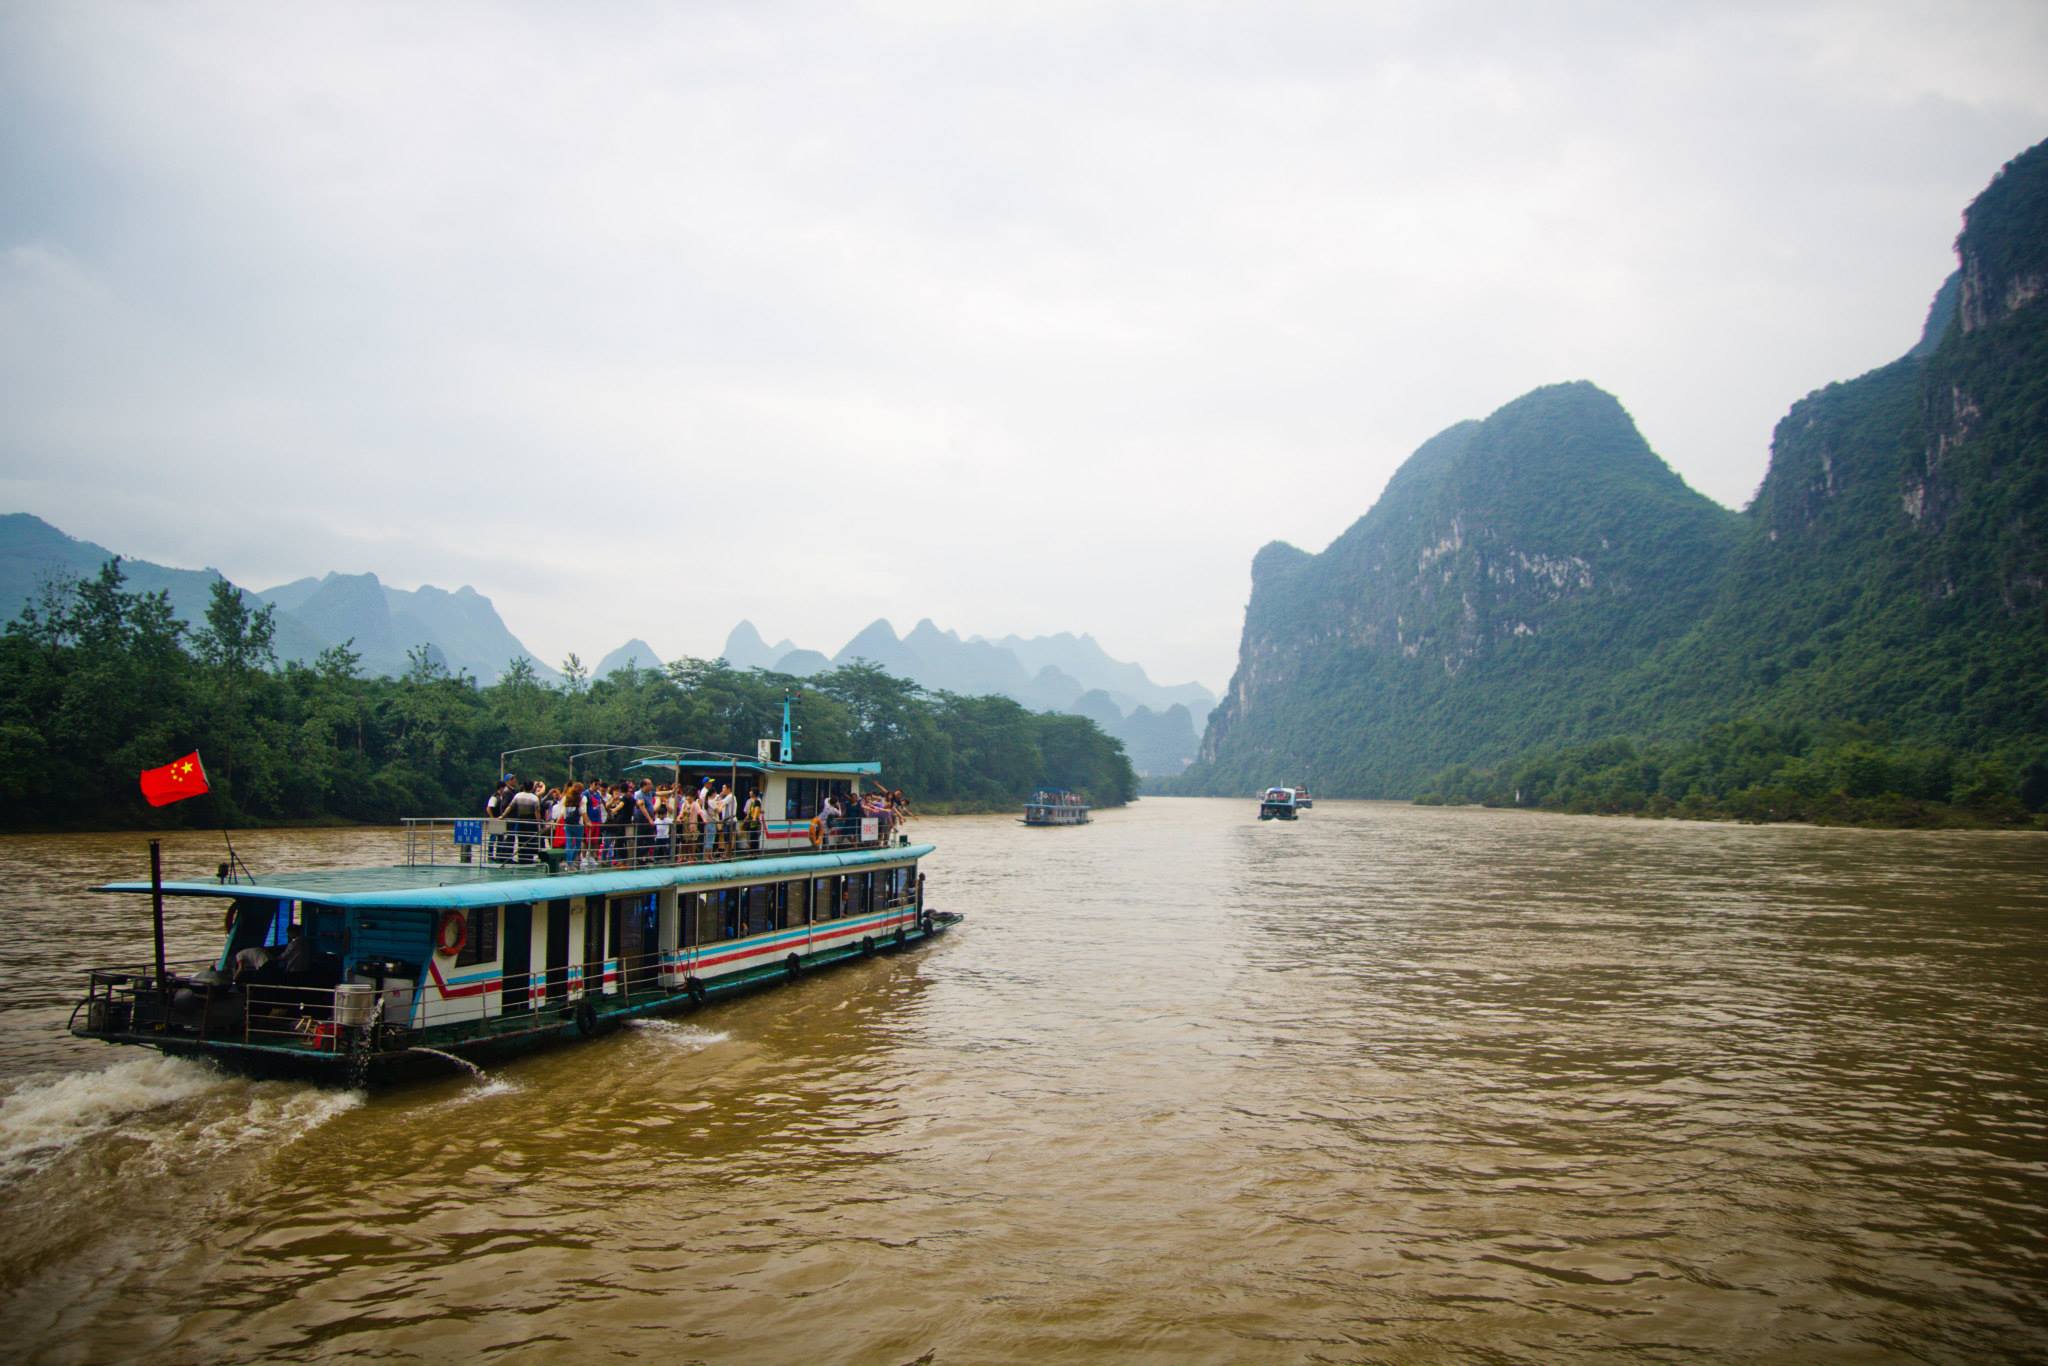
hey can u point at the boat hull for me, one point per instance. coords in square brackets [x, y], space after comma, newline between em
[395, 1055]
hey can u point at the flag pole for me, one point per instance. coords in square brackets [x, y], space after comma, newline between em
[156, 897]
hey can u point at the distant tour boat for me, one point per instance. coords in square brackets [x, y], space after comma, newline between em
[1279, 804]
[486, 939]
[1302, 800]
[1055, 806]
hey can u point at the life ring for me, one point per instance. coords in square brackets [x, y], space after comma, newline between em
[817, 831]
[586, 1018]
[442, 940]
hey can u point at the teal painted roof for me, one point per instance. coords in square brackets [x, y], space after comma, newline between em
[459, 886]
[870, 767]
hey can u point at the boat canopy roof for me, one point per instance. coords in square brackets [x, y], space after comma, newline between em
[867, 767]
[462, 886]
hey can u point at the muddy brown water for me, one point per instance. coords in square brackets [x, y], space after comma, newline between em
[1387, 1084]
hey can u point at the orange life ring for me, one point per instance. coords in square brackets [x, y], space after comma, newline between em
[461, 938]
[817, 831]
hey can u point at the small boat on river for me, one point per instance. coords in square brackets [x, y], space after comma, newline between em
[1055, 806]
[1302, 800]
[1278, 804]
[485, 939]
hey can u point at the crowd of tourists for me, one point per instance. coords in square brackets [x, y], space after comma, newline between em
[588, 825]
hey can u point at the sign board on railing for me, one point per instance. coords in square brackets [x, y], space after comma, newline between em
[469, 832]
[870, 829]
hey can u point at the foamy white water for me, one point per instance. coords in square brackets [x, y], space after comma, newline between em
[680, 1034]
[45, 1117]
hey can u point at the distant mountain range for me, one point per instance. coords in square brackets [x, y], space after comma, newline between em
[635, 653]
[1542, 578]
[1064, 673]
[463, 632]
[461, 628]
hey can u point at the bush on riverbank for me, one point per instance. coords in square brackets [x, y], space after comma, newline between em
[98, 683]
[1753, 771]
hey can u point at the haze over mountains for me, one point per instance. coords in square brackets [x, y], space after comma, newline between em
[1541, 577]
[462, 632]
[1064, 672]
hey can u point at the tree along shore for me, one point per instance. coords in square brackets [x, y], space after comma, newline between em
[1758, 772]
[98, 683]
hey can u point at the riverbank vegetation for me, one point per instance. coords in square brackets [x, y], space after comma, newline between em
[1753, 771]
[98, 683]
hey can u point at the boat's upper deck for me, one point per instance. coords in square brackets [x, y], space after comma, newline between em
[458, 886]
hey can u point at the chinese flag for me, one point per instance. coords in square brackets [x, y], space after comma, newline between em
[175, 781]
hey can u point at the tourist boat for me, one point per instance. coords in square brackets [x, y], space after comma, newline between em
[1278, 804]
[486, 939]
[1302, 800]
[1055, 806]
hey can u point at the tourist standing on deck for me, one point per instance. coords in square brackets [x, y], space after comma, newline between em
[641, 819]
[572, 826]
[593, 823]
[522, 822]
[686, 822]
[753, 822]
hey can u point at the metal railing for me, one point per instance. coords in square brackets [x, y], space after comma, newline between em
[440, 841]
[318, 1018]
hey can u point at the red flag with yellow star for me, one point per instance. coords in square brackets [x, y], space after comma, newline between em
[175, 781]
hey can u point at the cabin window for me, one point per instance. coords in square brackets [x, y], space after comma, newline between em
[254, 924]
[757, 909]
[801, 802]
[481, 944]
[329, 931]
[825, 898]
[721, 919]
[637, 933]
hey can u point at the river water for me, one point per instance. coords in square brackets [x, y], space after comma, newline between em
[1388, 1084]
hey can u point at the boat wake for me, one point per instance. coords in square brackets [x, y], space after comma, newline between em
[688, 1037]
[160, 1102]
[41, 1119]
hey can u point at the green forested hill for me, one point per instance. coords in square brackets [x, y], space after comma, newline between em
[1509, 567]
[1881, 607]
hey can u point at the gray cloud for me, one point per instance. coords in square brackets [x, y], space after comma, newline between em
[1025, 319]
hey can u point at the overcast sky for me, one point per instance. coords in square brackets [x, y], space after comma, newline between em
[643, 319]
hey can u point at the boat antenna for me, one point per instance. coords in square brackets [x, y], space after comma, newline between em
[788, 734]
[234, 859]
